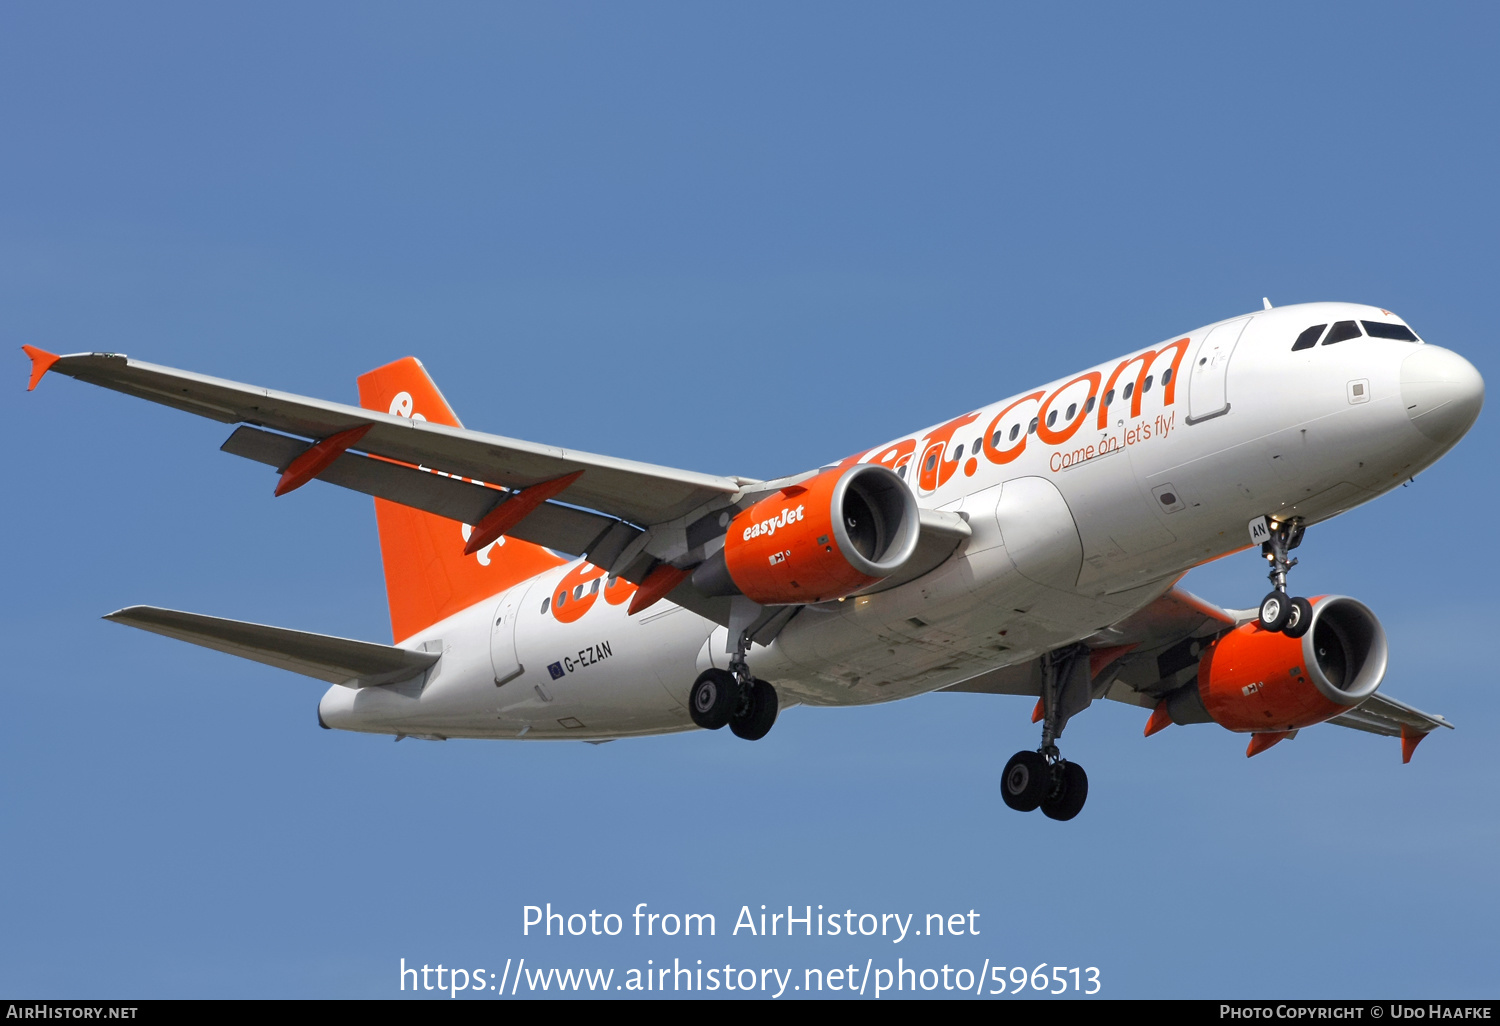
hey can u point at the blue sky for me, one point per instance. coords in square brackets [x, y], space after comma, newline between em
[742, 240]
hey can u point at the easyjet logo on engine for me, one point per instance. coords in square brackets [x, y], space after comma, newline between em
[770, 524]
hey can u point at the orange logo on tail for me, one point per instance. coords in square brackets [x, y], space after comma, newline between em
[427, 576]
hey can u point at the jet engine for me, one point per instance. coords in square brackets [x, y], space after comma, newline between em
[828, 537]
[1254, 680]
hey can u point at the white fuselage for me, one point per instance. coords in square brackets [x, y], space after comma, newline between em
[1076, 523]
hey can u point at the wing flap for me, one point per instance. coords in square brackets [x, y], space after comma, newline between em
[564, 528]
[1380, 714]
[638, 492]
[336, 660]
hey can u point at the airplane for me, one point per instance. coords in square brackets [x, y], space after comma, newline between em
[1032, 547]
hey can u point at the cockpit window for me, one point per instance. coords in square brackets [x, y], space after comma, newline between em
[1309, 338]
[1380, 329]
[1342, 331]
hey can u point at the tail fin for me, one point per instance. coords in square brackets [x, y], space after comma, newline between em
[427, 576]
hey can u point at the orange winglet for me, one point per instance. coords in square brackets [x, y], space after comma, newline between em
[655, 587]
[1160, 719]
[1260, 742]
[41, 363]
[1409, 740]
[317, 457]
[1039, 712]
[512, 511]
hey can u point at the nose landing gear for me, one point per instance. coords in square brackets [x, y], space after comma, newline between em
[1277, 611]
[1044, 779]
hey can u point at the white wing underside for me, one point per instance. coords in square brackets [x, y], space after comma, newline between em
[1153, 634]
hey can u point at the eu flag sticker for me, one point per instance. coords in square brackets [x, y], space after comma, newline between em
[556, 670]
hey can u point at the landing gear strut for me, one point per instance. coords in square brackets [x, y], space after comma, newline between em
[1277, 611]
[747, 704]
[1043, 778]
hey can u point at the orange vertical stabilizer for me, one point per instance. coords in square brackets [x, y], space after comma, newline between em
[427, 575]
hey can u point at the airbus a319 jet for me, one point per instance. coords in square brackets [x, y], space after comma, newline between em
[1029, 548]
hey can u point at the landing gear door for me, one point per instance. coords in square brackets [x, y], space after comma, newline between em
[1206, 384]
[503, 636]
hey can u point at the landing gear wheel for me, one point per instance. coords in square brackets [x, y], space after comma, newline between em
[1026, 781]
[713, 699]
[1275, 608]
[1070, 788]
[1299, 618]
[759, 713]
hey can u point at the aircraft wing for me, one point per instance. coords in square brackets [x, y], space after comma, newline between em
[560, 527]
[640, 493]
[1155, 651]
[1379, 714]
[355, 664]
[1127, 650]
[1169, 635]
[464, 475]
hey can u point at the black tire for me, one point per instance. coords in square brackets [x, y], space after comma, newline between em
[714, 697]
[1026, 780]
[1274, 610]
[1299, 618]
[759, 714]
[1070, 789]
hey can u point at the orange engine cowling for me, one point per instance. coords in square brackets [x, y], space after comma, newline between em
[825, 538]
[1257, 680]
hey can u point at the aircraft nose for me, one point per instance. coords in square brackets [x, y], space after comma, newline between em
[1442, 392]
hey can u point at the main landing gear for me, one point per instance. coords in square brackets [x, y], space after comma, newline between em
[747, 704]
[1043, 778]
[1278, 612]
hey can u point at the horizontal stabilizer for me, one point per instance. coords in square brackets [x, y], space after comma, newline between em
[355, 664]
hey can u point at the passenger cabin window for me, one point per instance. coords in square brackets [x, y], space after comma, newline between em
[978, 444]
[1109, 397]
[1380, 329]
[1031, 428]
[1166, 377]
[1308, 338]
[545, 603]
[1147, 386]
[1052, 418]
[958, 453]
[1072, 409]
[1342, 331]
[1088, 407]
[1129, 387]
[1015, 429]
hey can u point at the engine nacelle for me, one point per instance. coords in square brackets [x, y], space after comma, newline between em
[1257, 680]
[825, 538]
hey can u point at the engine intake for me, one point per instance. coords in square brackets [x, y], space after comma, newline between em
[1257, 680]
[826, 538]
